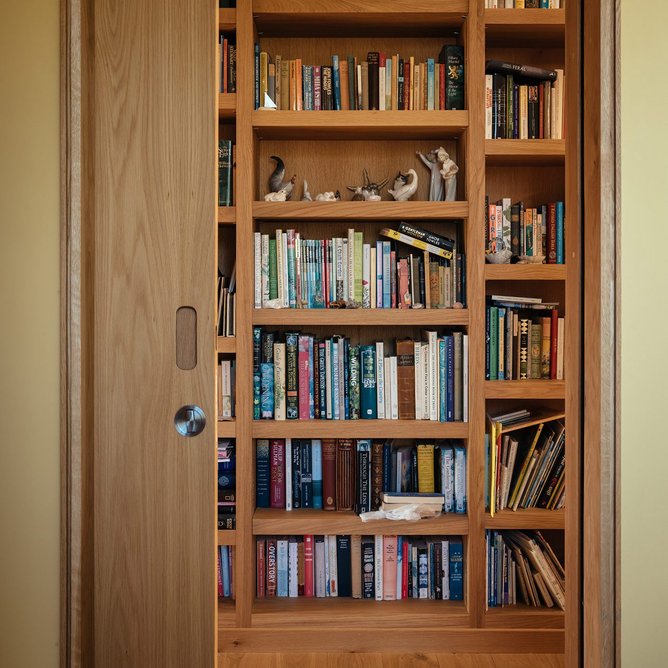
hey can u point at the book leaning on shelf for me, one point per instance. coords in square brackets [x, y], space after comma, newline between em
[360, 475]
[522, 567]
[525, 339]
[380, 568]
[381, 82]
[293, 272]
[297, 376]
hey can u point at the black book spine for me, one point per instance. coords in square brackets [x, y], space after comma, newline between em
[296, 473]
[400, 85]
[427, 236]
[344, 571]
[387, 467]
[368, 584]
[523, 71]
[454, 73]
[534, 130]
[268, 347]
[487, 341]
[373, 58]
[438, 571]
[516, 111]
[498, 100]
[414, 470]
[423, 572]
[306, 475]
[423, 292]
[257, 358]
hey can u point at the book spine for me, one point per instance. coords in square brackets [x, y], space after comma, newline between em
[460, 479]
[363, 475]
[368, 397]
[277, 473]
[296, 473]
[406, 379]
[322, 378]
[316, 459]
[288, 474]
[336, 80]
[282, 568]
[279, 381]
[454, 69]
[262, 474]
[303, 376]
[272, 567]
[309, 573]
[329, 473]
[378, 567]
[368, 569]
[456, 570]
[354, 382]
[306, 474]
[293, 567]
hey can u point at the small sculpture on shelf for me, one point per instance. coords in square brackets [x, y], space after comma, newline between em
[500, 254]
[279, 190]
[443, 184]
[306, 196]
[328, 196]
[369, 190]
[449, 173]
[357, 193]
[403, 188]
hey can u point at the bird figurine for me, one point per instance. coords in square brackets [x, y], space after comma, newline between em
[276, 182]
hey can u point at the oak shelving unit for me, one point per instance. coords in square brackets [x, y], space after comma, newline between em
[330, 148]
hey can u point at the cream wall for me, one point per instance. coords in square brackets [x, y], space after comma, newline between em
[644, 323]
[29, 325]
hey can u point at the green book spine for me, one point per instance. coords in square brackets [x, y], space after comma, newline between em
[354, 382]
[493, 343]
[273, 279]
[454, 73]
[224, 172]
[359, 266]
[536, 340]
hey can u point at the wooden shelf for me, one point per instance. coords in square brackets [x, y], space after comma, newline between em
[522, 616]
[356, 613]
[358, 17]
[358, 429]
[361, 317]
[525, 272]
[529, 518]
[226, 344]
[227, 105]
[346, 210]
[227, 215]
[359, 124]
[530, 27]
[271, 521]
[227, 537]
[226, 613]
[226, 428]
[525, 389]
[227, 20]
[525, 151]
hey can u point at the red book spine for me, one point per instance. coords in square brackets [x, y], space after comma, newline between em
[393, 277]
[441, 85]
[272, 567]
[404, 569]
[329, 473]
[554, 324]
[303, 373]
[407, 85]
[551, 241]
[220, 575]
[382, 59]
[261, 573]
[277, 470]
[308, 566]
[225, 57]
[325, 265]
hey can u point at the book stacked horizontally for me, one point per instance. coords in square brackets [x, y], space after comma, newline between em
[394, 500]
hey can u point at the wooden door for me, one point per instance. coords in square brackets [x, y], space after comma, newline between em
[152, 160]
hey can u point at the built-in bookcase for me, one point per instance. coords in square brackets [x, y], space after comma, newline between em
[329, 149]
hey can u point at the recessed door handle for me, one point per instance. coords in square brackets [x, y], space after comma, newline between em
[189, 421]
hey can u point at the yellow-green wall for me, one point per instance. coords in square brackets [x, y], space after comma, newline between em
[644, 323]
[29, 334]
[29, 330]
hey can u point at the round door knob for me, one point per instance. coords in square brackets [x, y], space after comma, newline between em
[189, 421]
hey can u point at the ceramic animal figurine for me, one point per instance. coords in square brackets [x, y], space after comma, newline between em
[306, 196]
[326, 197]
[357, 193]
[371, 189]
[282, 195]
[276, 182]
[436, 184]
[403, 188]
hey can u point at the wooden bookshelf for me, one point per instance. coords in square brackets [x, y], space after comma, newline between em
[330, 149]
[227, 537]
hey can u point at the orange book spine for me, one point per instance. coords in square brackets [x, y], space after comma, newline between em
[389, 568]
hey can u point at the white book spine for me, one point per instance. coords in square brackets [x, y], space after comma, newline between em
[417, 349]
[288, 474]
[257, 240]
[394, 397]
[265, 269]
[381, 88]
[293, 569]
[366, 276]
[226, 388]
[319, 564]
[380, 380]
[279, 266]
[426, 379]
[386, 390]
[298, 269]
[351, 265]
[379, 274]
[347, 283]
[326, 554]
[465, 378]
[388, 84]
[378, 567]
[445, 560]
[372, 277]
[333, 571]
[433, 376]
[489, 93]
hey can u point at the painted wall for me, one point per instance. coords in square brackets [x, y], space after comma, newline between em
[29, 333]
[644, 322]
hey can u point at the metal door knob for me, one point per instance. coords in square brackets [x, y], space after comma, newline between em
[189, 420]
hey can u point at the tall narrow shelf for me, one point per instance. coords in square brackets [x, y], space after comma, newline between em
[310, 142]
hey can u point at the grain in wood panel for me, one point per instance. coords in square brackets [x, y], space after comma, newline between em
[514, 152]
[530, 27]
[525, 272]
[227, 20]
[529, 660]
[534, 184]
[525, 518]
[524, 617]
[525, 389]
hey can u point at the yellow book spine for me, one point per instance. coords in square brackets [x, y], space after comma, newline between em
[425, 462]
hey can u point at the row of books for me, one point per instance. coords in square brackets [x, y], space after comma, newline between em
[381, 568]
[226, 384]
[526, 461]
[524, 339]
[225, 169]
[522, 567]
[346, 474]
[301, 377]
[526, 232]
[227, 51]
[381, 82]
[227, 497]
[225, 560]
[524, 4]
[293, 272]
[523, 102]
[227, 305]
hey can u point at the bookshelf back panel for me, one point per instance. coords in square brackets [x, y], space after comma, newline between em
[333, 165]
[226, 249]
[532, 185]
[547, 58]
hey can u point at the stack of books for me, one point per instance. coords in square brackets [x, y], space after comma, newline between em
[381, 82]
[525, 339]
[347, 474]
[523, 568]
[225, 559]
[293, 272]
[524, 4]
[227, 498]
[381, 568]
[299, 376]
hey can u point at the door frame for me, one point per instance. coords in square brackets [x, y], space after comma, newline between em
[600, 636]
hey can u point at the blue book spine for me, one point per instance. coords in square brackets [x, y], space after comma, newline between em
[257, 343]
[544, 4]
[379, 274]
[306, 474]
[368, 386]
[346, 377]
[282, 568]
[267, 383]
[450, 390]
[322, 380]
[307, 83]
[262, 474]
[560, 232]
[487, 343]
[456, 571]
[225, 570]
[335, 377]
[387, 468]
[316, 476]
[311, 380]
[489, 578]
[292, 288]
[257, 76]
[493, 342]
[460, 479]
[336, 83]
[387, 296]
[442, 379]
[430, 84]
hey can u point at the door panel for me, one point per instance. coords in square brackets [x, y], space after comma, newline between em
[154, 193]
